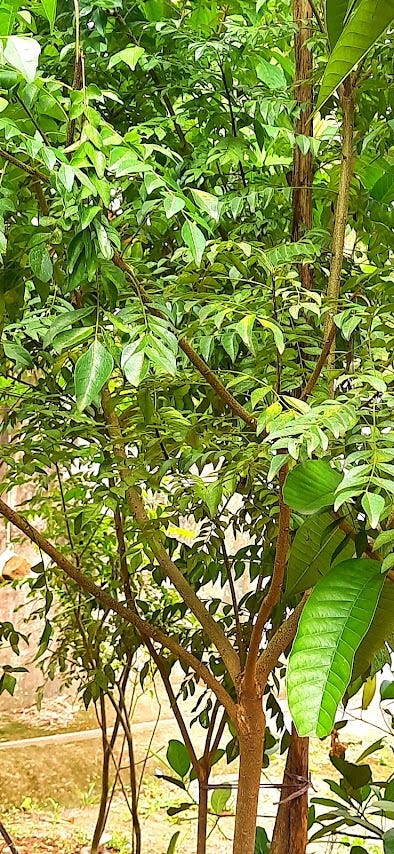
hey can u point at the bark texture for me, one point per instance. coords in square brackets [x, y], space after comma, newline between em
[291, 826]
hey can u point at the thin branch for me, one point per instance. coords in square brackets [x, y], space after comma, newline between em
[226, 561]
[273, 595]
[232, 119]
[35, 173]
[308, 388]
[153, 539]
[211, 378]
[112, 604]
[279, 643]
[317, 15]
[8, 840]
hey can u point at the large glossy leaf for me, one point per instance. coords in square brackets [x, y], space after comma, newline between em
[92, 371]
[334, 621]
[380, 630]
[367, 23]
[312, 552]
[335, 18]
[311, 486]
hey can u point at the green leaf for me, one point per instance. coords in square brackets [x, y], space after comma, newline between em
[387, 690]
[8, 12]
[384, 539]
[262, 845]
[172, 205]
[173, 842]
[7, 683]
[311, 553]
[272, 75]
[383, 189]
[311, 486]
[49, 7]
[388, 842]
[219, 798]
[336, 11]
[333, 623]
[18, 354]
[22, 54]
[40, 262]
[132, 363]
[388, 562]
[373, 505]
[381, 628]
[276, 331]
[207, 202]
[365, 26]
[92, 370]
[130, 55]
[194, 239]
[178, 757]
[356, 775]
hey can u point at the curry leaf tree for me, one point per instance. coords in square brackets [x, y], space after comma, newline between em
[196, 330]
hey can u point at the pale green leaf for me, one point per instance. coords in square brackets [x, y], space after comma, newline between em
[333, 623]
[64, 321]
[365, 26]
[207, 202]
[92, 370]
[272, 75]
[130, 55]
[373, 505]
[22, 54]
[244, 328]
[132, 363]
[172, 205]
[49, 7]
[194, 239]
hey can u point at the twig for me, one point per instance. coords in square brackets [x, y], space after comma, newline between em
[35, 173]
[8, 840]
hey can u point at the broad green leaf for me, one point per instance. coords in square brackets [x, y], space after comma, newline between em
[172, 205]
[262, 844]
[161, 356]
[384, 539]
[383, 189]
[219, 798]
[388, 842]
[333, 623]
[132, 363]
[336, 11]
[124, 161]
[354, 774]
[365, 26]
[8, 12]
[311, 486]
[130, 55]
[381, 628]
[194, 239]
[49, 7]
[207, 202]
[64, 321]
[40, 262]
[272, 75]
[373, 505]
[92, 371]
[311, 553]
[22, 54]
[276, 331]
[244, 328]
[18, 354]
[178, 757]
[387, 690]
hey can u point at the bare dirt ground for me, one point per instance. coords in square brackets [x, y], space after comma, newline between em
[50, 787]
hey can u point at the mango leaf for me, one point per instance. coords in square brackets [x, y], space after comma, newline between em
[311, 486]
[49, 7]
[381, 628]
[333, 623]
[92, 371]
[311, 553]
[373, 505]
[388, 842]
[364, 27]
[194, 239]
[130, 55]
[178, 757]
[336, 11]
[22, 54]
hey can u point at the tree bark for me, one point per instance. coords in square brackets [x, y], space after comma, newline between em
[202, 812]
[291, 826]
[251, 732]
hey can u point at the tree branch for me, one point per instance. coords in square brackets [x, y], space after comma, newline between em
[273, 595]
[279, 643]
[105, 599]
[309, 386]
[211, 378]
[35, 173]
[137, 509]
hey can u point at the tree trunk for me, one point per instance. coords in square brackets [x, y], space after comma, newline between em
[202, 812]
[101, 818]
[291, 826]
[251, 732]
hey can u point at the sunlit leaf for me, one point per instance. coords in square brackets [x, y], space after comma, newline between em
[92, 371]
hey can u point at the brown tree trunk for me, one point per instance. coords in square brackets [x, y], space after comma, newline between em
[291, 826]
[251, 732]
[202, 812]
